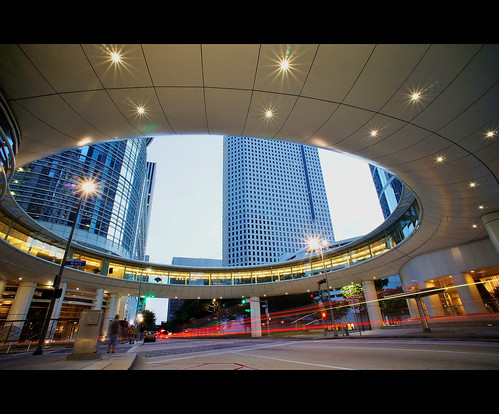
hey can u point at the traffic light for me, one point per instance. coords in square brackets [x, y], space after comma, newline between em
[243, 302]
[316, 296]
[48, 294]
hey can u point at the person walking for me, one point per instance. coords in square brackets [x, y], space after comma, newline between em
[113, 333]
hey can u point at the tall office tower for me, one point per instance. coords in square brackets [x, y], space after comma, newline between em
[389, 189]
[145, 216]
[115, 219]
[273, 197]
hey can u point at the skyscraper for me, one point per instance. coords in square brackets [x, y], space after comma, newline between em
[389, 189]
[273, 198]
[116, 219]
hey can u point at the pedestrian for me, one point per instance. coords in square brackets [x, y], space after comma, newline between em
[113, 333]
[131, 332]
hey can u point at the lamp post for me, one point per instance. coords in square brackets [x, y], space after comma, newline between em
[317, 244]
[138, 315]
[86, 187]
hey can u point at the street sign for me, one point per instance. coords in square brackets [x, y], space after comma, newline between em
[75, 263]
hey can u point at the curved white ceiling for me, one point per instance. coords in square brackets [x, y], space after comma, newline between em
[332, 96]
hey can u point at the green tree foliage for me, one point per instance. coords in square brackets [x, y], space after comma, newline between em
[149, 320]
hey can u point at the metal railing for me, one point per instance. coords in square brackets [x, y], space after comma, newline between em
[16, 335]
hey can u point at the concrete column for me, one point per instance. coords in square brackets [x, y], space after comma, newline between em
[3, 285]
[99, 298]
[58, 302]
[256, 324]
[470, 297]
[433, 303]
[112, 309]
[413, 308]
[19, 309]
[122, 307]
[56, 312]
[372, 304]
[491, 223]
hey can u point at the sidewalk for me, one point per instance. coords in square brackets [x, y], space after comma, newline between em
[55, 359]
[462, 328]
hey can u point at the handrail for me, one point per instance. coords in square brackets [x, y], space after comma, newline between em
[25, 234]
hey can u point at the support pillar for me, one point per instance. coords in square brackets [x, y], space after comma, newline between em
[3, 285]
[99, 298]
[491, 223]
[19, 310]
[372, 304]
[470, 297]
[56, 312]
[112, 309]
[256, 323]
[433, 303]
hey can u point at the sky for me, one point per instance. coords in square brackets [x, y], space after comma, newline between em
[186, 211]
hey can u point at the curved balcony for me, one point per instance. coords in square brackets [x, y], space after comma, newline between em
[343, 264]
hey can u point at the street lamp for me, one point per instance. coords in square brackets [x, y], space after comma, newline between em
[86, 187]
[315, 243]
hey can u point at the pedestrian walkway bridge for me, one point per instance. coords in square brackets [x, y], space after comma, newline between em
[41, 251]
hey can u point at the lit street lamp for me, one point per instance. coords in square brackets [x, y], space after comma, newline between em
[86, 187]
[317, 244]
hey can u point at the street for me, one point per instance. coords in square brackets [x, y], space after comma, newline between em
[314, 354]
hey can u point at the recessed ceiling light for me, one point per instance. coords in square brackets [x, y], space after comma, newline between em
[268, 113]
[490, 134]
[374, 133]
[285, 64]
[141, 110]
[415, 96]
[473, 184]
[116, 58]
[440, 158]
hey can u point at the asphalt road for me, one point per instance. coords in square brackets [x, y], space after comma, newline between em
[314, 354]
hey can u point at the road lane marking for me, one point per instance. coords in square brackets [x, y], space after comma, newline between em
[151, 360]
[297, 362]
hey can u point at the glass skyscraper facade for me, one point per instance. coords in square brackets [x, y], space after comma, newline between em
[273, 198]
[115, 219]
[389, 189]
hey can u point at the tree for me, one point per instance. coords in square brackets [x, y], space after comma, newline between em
[353, 291]
[149, 320]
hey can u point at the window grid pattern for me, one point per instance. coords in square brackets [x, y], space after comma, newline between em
[273, 197]
[110, 220]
